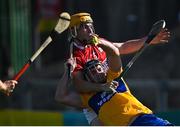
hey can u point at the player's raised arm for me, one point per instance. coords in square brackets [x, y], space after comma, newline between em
[134, 45]
[64, 94]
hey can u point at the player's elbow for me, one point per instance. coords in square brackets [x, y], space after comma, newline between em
[59, 97]
[61, 100]
[114, 53]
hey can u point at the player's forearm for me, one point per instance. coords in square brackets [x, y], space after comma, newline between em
[65, 95]
[62, 88]
[113, 55]
[130, 46]
[108, 47]
[71, 99]
[85, 87]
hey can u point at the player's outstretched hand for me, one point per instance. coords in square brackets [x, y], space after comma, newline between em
[162, 37]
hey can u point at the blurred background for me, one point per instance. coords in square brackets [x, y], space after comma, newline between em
[25, 24]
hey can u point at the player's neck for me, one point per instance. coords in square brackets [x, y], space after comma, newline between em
[79, 42]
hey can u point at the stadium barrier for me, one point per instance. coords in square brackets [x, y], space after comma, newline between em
[46, 118]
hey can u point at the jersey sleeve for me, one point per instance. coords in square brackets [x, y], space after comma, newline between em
[79, 65]
[79, 61]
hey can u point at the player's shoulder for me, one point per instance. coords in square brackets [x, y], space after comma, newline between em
[78, 46]
[77, 49]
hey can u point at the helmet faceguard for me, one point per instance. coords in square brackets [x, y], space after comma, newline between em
[94, 71]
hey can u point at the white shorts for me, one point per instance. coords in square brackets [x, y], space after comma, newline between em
[89, 114]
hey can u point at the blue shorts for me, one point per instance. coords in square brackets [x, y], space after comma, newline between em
[150, 120]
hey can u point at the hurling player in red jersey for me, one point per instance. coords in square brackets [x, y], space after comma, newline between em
[87, 46]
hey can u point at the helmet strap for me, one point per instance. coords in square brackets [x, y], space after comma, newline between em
[73, 32]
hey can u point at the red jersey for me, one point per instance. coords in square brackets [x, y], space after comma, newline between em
[86, 53]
